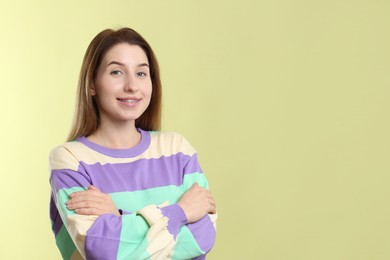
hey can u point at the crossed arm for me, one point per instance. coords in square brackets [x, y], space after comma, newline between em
[196, 203]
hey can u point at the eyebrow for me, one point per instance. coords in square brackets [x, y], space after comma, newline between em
[123, 65]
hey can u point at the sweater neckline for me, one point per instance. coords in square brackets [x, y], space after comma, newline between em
[120, 153]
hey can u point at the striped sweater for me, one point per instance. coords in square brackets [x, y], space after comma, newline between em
[146, 182]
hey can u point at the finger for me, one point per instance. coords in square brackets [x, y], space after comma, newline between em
[93, 207]
[85, 197]
[88, 211]
[213, 209]
[87, 193]
[72, 195]
[77, 193]
[83, 204]
[93, 188]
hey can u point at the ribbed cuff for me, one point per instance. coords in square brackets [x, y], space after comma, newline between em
[177, 218]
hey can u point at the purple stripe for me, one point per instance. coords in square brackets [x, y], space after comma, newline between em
[121, 153]
[53, 208]
[142, 174]
[192, 165]
[103, 238]
[201, 257]
[203, 232]
[55, 217]
[177, 218]
[68, 179]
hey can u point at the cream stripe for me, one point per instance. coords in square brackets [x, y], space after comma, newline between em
[162, 144]
[160, 242]
[151, 214]
[61, 158]
[77, 226]
[213, 218]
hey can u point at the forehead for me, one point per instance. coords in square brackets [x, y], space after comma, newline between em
[125, 53]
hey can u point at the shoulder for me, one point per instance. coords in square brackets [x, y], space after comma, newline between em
[63, 156]
[67, 149]
[173, 141]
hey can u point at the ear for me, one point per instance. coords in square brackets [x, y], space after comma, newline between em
[92, 91]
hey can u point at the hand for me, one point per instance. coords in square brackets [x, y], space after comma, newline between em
[91, 202]
[196, 203]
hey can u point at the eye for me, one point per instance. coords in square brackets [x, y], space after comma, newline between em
[141, 74]
[116, 72]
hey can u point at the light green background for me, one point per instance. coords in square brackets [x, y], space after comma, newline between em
[287, 103]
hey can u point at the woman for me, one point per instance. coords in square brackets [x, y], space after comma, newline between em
[120, 188]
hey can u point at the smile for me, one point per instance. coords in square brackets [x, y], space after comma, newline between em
[130, 100]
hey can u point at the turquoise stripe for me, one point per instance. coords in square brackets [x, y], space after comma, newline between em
[190, 179]
[186, 246]
[65, 243]
[133, 243]
[136, 200]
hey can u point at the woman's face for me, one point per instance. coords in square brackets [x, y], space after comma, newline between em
[123, 86]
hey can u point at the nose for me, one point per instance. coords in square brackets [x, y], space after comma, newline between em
[130, 84]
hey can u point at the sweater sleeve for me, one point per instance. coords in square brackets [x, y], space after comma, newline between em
[139, 235]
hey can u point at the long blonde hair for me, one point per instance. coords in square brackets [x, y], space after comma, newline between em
[86, 117]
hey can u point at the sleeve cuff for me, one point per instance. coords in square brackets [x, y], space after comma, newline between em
[176, 218]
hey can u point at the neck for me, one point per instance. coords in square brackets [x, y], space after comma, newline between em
[121, 136]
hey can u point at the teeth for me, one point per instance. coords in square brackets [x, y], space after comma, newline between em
[129, 100]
